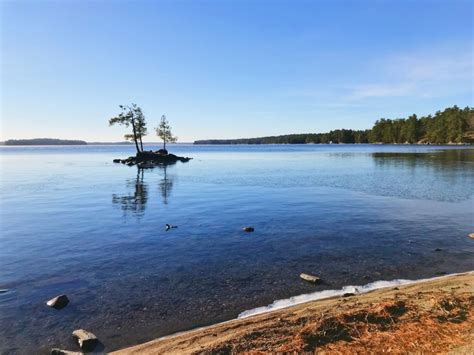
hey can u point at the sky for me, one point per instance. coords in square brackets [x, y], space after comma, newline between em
[229, 69]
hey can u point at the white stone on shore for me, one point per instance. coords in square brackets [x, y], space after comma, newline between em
[56, 351]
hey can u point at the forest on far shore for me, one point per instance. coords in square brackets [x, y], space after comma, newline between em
[451, 126]
[44, 141]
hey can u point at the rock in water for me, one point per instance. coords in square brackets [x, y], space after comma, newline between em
[248, 229]
[58, 302]
[471, 235]
[3, 290]
[86, 340]
[310, 278]
[117, 160]
[56, 351]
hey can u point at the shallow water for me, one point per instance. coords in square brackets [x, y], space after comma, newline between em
[73, 222]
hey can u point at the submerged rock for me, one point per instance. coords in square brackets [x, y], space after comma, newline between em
[58, 302]
[310, 278]
[248, 229]
[85, 339]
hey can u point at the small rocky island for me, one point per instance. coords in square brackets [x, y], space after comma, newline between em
[133, 116]
[150, 159]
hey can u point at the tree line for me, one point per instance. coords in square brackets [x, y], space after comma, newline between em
[44, 141]
[453, 125]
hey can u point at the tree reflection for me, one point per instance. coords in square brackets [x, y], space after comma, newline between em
[437, 159]
[166, 184]
[135, 202]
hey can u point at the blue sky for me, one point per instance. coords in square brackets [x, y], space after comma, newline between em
[228, 69]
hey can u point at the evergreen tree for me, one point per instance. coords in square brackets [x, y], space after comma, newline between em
[132, 116]
[164, 132]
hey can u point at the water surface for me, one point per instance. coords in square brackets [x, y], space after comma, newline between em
[73, 222]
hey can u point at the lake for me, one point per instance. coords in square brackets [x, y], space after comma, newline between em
[73, 222]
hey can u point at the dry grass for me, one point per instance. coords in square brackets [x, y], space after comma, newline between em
[389, 326]
[435, 316]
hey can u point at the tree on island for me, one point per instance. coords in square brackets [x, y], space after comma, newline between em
[164, 132]
[132, 116]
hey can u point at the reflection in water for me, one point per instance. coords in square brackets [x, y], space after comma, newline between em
[166, 184]
[454, 165]
[441, 159]
[434, 175]
[135, 201]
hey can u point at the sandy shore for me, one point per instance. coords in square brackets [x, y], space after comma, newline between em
[430, 316]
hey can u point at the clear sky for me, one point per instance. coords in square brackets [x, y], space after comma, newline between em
[229, 69]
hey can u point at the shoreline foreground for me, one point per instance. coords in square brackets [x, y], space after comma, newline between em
[434, 315]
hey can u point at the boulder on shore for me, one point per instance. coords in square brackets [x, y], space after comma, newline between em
[86, 340]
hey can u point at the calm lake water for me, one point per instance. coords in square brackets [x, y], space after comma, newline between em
[73, 222]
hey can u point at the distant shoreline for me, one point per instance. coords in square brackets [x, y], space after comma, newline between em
[73, 142]
[62, 142]
[212, 142]
[21, 143]
[43, 141]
